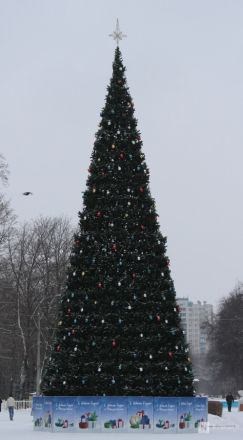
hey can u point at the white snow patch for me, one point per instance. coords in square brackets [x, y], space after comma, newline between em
[21, 428]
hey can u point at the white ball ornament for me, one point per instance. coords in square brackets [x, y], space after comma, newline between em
[141, 369]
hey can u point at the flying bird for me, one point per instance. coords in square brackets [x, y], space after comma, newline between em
[27, 193]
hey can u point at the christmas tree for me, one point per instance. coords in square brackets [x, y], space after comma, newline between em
[119, 326]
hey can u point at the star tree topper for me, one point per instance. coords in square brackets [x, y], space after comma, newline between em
[117, 34]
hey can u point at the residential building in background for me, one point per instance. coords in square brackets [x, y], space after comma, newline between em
[193, 319]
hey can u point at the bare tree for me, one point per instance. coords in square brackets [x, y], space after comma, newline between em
[36, 265]
[225, 357]
[7, 217]
[4, 171]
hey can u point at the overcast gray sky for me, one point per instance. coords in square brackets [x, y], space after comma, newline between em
[184, 62]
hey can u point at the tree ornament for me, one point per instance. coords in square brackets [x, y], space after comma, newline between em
[121, 156]
[83, 273]
[150, 356]
[140, 368]
[113, 380]
[158, 317]
[99, 284]
[119, 283]
[170, 354]
[113, 146]
[142, 227]
[109, 122]
[141, 189]
[75, 348]
[58, 348]
[145, 295]
[114, 247]
[98, 214]
[94, 190]
[141, 335]
[113, 343]
[166, 321]
[64, 382]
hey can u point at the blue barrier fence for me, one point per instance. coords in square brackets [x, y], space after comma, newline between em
[162, 415]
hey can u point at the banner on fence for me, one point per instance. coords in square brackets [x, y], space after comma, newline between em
[163, 415]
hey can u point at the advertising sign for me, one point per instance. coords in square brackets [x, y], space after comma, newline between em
[88, 414]
[113, 414]
[165, 415]
[64, 414]
[140, 414]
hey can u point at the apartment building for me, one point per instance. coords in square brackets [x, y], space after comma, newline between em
[193, 317]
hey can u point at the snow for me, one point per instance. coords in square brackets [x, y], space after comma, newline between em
[231, 424]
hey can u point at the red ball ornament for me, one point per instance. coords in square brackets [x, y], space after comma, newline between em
[114, 247]
[121, 156]
[170, 354]
[113, 343]
[141, 189]
[98, 214]
[134, 275]
[69, 310]
[99, 284]
[58, 348]
[158, 317]
[142, 227]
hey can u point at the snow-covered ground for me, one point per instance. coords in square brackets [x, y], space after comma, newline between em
[229, 426]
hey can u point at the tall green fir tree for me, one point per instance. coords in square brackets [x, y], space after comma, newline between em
[119, 329]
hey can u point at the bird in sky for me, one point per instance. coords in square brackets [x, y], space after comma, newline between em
[27, 193]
